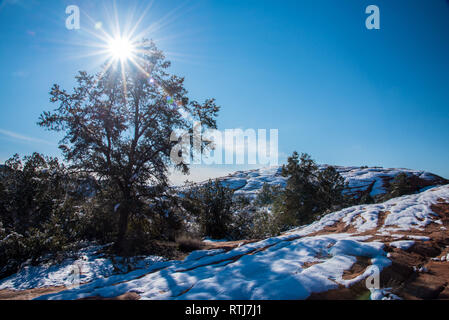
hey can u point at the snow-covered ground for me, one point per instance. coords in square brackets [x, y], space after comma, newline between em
[405, 213]
[359, 179]
[294, 265]
[89, 266]
[279, 271]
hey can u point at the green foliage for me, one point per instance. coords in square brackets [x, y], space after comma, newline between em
[167, 216]
[211, 204]
[330, 190]
[299, 200]
[99, 218]
[242, 223]
[37, 215]
[268, 195]
[366, 199]
[30, 190]
[124, 136]
[46, 209]
[309, 192]
[265, 225]
[400, 186]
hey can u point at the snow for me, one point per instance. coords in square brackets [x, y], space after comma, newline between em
[234, 183]
[422, 238]
[359, 179]
[90, 266]
[209, 240]
[383, 294]
[275, 268]
[403, 245]
[291, 266]
[406, 213]
[354, 248]
[443, 258]
[420, 269]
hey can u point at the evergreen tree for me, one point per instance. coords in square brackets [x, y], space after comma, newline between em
[118, 124]
[366, 199]
[309, 192]
[212, 204]
[330, 189]
[299, 198]
[267, 195]
[33, 214]
[31, 190]
[399, 186]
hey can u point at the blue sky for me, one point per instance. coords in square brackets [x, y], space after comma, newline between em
[344, 94]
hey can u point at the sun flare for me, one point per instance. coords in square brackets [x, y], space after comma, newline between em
[124, 47]
[121, 48]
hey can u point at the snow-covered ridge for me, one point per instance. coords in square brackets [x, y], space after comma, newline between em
[359, 179]
[404, 214]
[294, 265]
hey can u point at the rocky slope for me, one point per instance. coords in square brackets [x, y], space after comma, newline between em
[405, 241]
[360, 180]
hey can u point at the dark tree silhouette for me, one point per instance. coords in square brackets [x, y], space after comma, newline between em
[118, 124]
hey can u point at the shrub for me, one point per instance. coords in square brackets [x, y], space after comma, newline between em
[265, 224]
[211, 204]
[168, 218]
[309, 192]
[268, 195]
[400, 186]
[34, 215]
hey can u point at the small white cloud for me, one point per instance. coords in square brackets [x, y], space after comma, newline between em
[20, 137]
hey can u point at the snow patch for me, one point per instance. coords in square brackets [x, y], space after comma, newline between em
[403, 245]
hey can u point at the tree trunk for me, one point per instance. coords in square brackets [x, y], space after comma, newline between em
[124, 211]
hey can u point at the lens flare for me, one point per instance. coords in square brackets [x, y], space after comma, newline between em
[120, 48]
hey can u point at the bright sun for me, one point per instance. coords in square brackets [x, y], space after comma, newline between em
[120, 48]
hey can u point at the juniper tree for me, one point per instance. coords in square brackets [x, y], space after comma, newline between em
[268, 194]
[212, 204]
[118, 123]
[401, 185]
[32, 188]
[33, 214]
[330, 189]
[309, 191]
[299, 199]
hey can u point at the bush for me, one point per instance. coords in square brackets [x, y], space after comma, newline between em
[98, 219]
[330, 190]
[168, 217]
[268, 195]
[309, 192]
[211, 204]
[366, 199]
[242, 223]
[266, 225]
[35, 216]
[400, 186]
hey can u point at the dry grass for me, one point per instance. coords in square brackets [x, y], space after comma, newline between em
[188, 243]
